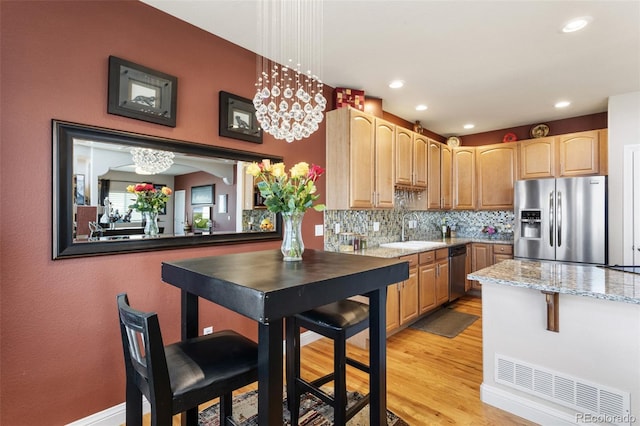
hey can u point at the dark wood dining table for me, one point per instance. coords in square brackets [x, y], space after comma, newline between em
[263, 287]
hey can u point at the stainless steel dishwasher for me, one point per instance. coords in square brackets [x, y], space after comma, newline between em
[457, 266]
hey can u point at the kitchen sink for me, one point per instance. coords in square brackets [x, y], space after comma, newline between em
[414, 245]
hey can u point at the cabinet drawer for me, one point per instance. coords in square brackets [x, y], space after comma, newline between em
[503, 249]
[427, 257]
[442, 253]
[412, 258]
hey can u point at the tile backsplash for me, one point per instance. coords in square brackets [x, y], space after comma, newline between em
[465, 224]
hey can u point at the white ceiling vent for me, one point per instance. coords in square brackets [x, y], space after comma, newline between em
[605, 404]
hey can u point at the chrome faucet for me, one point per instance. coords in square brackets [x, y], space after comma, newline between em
[412, 214]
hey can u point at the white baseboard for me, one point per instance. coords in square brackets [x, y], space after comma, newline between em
[116, 416]
[525, 408]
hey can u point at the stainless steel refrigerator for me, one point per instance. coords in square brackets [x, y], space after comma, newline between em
[562, 219]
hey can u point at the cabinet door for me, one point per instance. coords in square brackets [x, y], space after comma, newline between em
[409, 297]
[502, 252]
[579, 154]
[537, 158]
[442, 282]
[496, 166]
[481, 257]
[384, 164]
[361, 136]
[434, 172]
[467, 269]
[404, 157]
[420, 160]
[464, 178]
[393, 307]
[427, 291]
[445, 179]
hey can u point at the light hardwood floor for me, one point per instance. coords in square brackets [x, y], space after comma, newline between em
[430, 379]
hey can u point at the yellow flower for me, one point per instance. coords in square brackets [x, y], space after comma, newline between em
[253, 169]
[131, 188]
[277, 170]
[166, 190]
[300, 170]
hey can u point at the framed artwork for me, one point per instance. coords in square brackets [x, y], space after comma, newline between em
[238, 118]
[136, 91]
[201, 195]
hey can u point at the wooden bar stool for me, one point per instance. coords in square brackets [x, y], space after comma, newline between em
[337, 321]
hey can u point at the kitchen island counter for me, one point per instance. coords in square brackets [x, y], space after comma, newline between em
[579, 280]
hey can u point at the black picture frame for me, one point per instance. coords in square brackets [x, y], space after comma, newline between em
[202, 195]
[238, 118]
[139, 92]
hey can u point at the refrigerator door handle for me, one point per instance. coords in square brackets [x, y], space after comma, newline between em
[559, 218]
[551, 217]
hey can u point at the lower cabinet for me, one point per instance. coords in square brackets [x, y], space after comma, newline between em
[393, 307]
[409, 297]
[486, 254]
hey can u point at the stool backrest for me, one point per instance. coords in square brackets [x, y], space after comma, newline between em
[143, 348]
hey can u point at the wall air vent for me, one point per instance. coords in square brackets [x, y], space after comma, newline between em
[599, 402]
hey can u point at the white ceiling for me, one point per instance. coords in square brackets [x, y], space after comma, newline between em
[496, 64]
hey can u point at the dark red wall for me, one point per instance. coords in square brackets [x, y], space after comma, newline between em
[60, 350]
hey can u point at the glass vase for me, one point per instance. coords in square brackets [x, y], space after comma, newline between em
[151, 224]
[292, 244]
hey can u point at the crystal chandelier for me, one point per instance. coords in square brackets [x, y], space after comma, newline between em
[151, 161]
[289, 101]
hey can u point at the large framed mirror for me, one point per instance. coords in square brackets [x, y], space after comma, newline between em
[92, 214]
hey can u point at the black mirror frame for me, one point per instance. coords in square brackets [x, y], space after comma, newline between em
[63, 244]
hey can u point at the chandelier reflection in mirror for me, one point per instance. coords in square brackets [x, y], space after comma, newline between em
[289, 101]
[151, 161]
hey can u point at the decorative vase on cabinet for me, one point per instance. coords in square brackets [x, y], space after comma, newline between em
[292, 244]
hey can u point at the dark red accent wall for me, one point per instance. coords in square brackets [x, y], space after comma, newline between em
[60, 350]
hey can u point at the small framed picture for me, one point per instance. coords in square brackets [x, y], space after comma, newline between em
[238, 118]
[202, 195]
[136, 91]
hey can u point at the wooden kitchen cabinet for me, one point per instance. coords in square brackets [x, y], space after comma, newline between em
[467, 269]
[578, 154]
[445, 179]
[360, 167]
[411, 159]
[409, 292]
[427, 280]
[420, 160]
[393, 307]
[442, 276]
[481, 257]
[463, 178]
[496, 167]
[574, 154]
[487, 254]
[537, 158]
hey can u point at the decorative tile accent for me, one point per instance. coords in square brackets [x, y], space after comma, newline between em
[467, 224]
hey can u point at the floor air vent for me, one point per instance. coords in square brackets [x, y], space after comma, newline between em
[603, 403]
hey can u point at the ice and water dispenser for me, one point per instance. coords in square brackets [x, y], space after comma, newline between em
[530, 224]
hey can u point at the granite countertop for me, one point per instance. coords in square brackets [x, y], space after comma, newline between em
[579, 280]
[447, 242]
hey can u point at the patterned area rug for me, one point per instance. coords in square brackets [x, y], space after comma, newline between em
[445, 322]
[313, 412]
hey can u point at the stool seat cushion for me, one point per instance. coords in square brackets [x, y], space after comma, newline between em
[341, 314]
[199, 362]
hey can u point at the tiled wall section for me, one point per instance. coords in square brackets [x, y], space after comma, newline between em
[467, 224]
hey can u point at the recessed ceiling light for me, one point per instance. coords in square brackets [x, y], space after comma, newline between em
[562, 104]
[421, 107]
[469, 126]
[396, 84]
[576, 24]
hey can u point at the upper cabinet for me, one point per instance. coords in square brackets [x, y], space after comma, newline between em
[496, 168]
[445, 179]
[463, 178]
[411, 159]
[575, 154]
[434, 169]
[360, 170]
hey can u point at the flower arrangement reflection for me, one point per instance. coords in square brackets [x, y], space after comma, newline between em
[287, 192]
[148, 198]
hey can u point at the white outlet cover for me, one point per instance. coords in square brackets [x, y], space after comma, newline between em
[376, 226]
[336, 228]
[319, 230]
